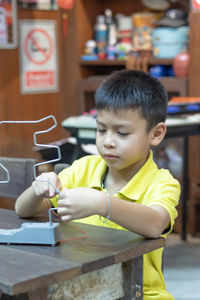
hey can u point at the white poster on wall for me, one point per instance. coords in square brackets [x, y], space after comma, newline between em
[3, 27]
[38, 56]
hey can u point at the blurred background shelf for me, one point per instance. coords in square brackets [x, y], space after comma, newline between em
[118, 62]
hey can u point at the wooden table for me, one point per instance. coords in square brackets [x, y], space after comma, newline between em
[39, 270]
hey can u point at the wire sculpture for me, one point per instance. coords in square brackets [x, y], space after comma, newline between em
[35, 140]
[35, 134]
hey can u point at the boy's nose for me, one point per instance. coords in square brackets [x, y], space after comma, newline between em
[109, 141]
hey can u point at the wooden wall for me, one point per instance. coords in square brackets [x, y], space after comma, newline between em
[17, 140]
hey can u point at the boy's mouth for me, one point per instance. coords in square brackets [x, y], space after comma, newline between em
[110, 156]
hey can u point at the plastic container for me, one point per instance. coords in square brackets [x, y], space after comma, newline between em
[168, 42]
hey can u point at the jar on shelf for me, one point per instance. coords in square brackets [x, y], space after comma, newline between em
[181, 64]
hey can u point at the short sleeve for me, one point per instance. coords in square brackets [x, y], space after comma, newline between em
[165, 193]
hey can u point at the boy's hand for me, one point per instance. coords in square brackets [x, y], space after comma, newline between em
[46, 185]
[80, 203]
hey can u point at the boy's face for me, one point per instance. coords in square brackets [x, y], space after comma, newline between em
[122, 139]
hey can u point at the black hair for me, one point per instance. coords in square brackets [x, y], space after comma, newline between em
[136, 90]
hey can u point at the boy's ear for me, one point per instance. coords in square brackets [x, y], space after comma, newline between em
[158, 133]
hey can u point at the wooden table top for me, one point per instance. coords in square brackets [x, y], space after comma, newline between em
[27, 267]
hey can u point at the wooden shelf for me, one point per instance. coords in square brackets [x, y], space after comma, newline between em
[160, 61]
[118, 62]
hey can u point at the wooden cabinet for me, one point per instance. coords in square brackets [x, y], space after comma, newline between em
[81, 28]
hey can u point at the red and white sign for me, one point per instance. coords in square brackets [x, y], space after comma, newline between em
[38, 57]
[195, 4]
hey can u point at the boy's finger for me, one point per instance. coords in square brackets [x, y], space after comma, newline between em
[63, 194]
[62, 211]
[58, 185]
[61, 203]
[52, 190]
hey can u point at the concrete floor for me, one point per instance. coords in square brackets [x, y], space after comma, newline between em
[182, 267]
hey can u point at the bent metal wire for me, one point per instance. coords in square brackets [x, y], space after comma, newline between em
[35, 134]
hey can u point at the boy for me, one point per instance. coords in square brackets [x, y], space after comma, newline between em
[122, 187]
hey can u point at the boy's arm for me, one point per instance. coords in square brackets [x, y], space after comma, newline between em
[149, 221]
[28, 203]
[82, 202]
[31, 201]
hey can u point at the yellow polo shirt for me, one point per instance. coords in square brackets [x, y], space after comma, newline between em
[149, 186]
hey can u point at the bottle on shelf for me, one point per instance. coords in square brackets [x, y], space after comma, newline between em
[111, 28]
[111, 50]
[100, 34]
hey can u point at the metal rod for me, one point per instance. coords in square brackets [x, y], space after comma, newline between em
[36, 133]
[50, 218]
[7, 173]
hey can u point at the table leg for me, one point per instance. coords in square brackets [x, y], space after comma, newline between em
[133, 279]
[185, 189]
[39, 294]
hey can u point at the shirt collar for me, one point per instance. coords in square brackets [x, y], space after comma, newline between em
[140, 181]
[97, 179]
[136, 186]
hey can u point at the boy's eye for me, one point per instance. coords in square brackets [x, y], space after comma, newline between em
[123, 133]
[100, 130]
